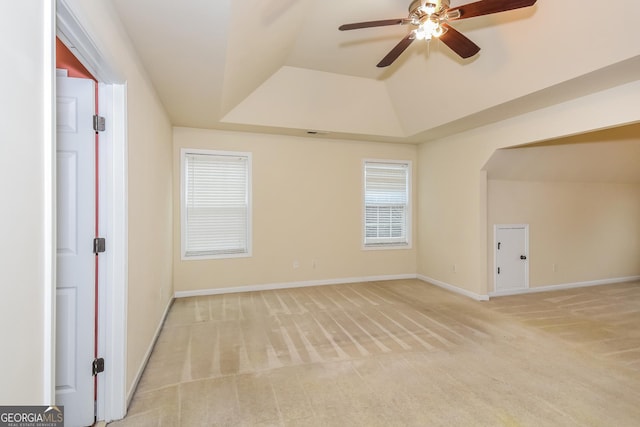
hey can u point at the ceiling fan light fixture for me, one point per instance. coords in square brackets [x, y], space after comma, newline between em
[429, 8]
[452, 14]
[421, 33]
[428, 29]
[431, 19]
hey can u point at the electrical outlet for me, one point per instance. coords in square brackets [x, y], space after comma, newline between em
[296, 264]
[454, 268]
[314, 264]
[555, 268]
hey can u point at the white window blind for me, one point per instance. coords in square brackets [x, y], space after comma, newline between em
[216, 210]
[386, 204]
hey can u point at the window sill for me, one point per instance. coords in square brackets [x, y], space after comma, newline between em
[398, 246]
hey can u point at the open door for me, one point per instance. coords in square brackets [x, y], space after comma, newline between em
[75, 291]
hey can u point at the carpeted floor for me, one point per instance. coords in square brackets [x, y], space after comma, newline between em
[400, 353]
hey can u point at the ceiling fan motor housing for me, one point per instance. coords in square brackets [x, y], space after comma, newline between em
[438, 6]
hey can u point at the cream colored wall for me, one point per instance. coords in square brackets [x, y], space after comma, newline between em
[150, 218]
[589, 231]
[23, 143]
[453, 189]
[449, 176]
[307, 206]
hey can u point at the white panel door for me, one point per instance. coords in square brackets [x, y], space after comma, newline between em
[512, 259]
[75, 293]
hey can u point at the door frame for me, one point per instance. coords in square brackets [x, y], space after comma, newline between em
[113, 214]
[496, 227]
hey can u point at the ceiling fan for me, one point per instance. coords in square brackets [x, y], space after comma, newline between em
[432, 17]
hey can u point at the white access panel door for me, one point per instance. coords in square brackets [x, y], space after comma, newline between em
[512, 257]
[75, 304]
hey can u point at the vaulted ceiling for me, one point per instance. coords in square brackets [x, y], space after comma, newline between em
[282, 66]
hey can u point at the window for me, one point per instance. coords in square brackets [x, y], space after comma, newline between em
[387, 210]
[216, 204]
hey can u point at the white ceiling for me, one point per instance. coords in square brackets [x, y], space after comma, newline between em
[282, 66]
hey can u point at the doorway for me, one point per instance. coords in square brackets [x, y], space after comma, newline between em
[511, 243]
[112, 390]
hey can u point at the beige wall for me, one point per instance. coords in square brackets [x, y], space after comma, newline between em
[453, 186]
[149, 160]
[449, 198]
[589, 231]
[23, 143]
[307, 206]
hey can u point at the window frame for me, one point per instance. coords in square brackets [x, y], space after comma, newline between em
[409, 207]
[183, 206]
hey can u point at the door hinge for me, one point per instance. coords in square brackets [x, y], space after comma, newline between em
[98, 123]
[499, 243]
[97, 366]
[99, 245]
[498, 270]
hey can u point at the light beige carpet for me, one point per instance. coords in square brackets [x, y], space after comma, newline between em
[401, 353]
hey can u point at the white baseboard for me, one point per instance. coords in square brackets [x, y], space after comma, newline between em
[564, 286]
[447, 286]
[145, 360]
[289, 285]
[453, 288]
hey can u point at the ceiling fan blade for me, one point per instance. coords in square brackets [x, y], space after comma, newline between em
[487, 7]
[397, 51]
[369, 24]
[458, 42]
